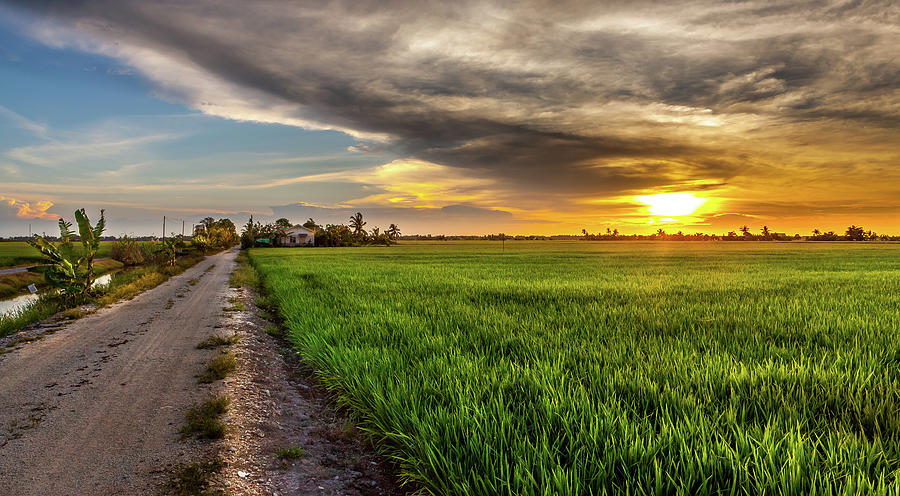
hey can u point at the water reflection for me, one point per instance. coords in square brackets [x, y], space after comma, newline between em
[21, 302]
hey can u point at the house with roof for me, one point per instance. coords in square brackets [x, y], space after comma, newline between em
[298, 236]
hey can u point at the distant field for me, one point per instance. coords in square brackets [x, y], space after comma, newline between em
[13, 253]
[610, 368]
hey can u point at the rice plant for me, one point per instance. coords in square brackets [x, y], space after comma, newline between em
[610, 368]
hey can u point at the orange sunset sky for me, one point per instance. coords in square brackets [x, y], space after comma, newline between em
[462, 117]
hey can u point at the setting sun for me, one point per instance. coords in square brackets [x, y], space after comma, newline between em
[672, 204]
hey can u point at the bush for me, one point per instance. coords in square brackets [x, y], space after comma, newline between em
[128, 251]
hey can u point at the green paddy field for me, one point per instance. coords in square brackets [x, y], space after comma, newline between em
[610, 367]
[13, 253]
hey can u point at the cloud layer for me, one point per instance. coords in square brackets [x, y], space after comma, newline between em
[25, 210]
[553, 103]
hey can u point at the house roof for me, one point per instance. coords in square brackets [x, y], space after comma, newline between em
[299, 229]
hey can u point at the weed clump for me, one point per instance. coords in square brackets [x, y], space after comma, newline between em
[244, 274]
[290, 453]
[236, 306]
[274, 330]
[194, 479]
[216, 341]
[218, 368]
[204, 421]
[75, 313]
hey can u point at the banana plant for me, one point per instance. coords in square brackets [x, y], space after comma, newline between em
[90, 238]
[169, 249]
[65, 268]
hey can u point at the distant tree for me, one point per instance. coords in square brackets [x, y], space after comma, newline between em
[732, 234]
[765, 232]
[584, 232]
[279, 230]
[248, 234]
[283, 224]
[816, 232]
[660, 233]
[615, 232]
[334, 235]
[393, 231]
[207, 222]
[357, 225]
[745, 230]
[311, 225]
[608, 231]
[855, 233]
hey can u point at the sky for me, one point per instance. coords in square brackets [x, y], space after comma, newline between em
[466, 117]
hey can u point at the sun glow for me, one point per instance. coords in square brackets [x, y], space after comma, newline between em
[672, 204]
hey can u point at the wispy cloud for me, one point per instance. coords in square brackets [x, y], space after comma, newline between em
[58, 153]
[23, 122]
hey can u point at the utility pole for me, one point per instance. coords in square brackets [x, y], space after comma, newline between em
[29, 229]
[164, 228]
[182, 228]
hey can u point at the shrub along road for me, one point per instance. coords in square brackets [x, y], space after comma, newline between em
[96, 407]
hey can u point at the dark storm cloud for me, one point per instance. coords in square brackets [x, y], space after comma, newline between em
[545, 95]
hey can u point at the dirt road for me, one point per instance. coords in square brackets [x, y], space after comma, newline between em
[95, 408]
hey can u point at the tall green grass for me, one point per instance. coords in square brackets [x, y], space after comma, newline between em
[610, 368]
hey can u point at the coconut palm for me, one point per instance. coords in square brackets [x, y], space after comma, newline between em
[311, 225]
[393, 231]
[745, 230]
[357, 224]
[765, 231]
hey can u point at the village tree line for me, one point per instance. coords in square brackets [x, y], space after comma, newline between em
[852, 233]
[352, 234]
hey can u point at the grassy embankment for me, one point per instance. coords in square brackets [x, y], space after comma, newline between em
[123, 286]
[610, 368]
[12, 285]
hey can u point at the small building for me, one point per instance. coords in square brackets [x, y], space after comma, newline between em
[299, 236]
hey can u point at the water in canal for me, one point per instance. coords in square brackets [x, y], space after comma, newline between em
[21, 302]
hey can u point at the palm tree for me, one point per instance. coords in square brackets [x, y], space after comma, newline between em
[660, 232]
[765, 231]
[615, 232]
[311, 225]
[745, 230]
[357, 224]
[816, 232]
[393, 231]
